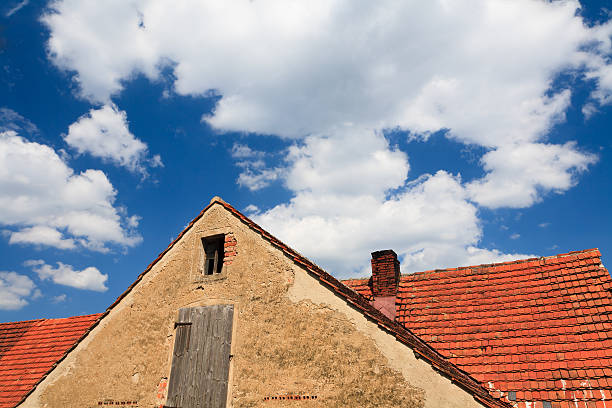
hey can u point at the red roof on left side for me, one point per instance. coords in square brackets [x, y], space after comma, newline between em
[30, 349]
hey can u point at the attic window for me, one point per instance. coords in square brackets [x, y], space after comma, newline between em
[213, 254]
[512, 395]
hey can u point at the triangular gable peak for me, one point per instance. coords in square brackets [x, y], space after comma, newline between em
[537, 331]
[127, 308]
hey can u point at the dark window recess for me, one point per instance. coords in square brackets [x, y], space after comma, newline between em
[512, 395]
[213, 254]
[547, 404]
[201, 358]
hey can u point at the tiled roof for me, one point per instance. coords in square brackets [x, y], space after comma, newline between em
[30, 349]
[540, 327]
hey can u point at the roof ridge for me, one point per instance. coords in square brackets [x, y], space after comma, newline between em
[52, 318]
[489, 265]
[23, 321]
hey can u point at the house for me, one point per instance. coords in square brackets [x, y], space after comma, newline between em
[228, 315]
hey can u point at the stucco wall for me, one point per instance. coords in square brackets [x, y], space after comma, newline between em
[291, 336]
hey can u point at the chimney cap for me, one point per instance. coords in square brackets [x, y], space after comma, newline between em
[382, 252]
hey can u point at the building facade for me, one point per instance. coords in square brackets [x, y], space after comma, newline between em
[227, 315]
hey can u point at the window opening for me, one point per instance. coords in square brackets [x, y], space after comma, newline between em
[213, 254]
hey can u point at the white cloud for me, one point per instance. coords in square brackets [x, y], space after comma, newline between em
[41, 235]
[104, 133]
[11, 120]
[45, 202]
[294, 68]
[242, 151]
[519, 175]
[333, 75]
[14, 290]
[256, 179]
[59, 298]
[588, 110]
[431, 224]
[340, 165]
[515, 236]
[89, 278]
[255, 175]
[17, 7]
[339, 217]
[251, 209]
[449, 256]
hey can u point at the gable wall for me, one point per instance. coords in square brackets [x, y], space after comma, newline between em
[291, 336]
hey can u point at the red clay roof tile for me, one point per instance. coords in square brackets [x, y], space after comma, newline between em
[30, 349]
[541, 327]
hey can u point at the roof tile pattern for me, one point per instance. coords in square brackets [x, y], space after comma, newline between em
[30, 349]
[540, 327]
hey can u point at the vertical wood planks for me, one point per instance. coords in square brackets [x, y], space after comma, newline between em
[179, 359]
[200, 364]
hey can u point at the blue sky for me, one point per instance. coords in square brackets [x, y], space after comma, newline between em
[454, 134]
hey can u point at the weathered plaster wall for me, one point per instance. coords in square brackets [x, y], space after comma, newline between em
[438, 390]
[291, 336]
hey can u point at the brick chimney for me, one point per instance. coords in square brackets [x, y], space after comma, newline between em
[385, 273]
[385, 279]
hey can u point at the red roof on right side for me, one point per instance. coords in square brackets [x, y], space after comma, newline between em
[540, 328]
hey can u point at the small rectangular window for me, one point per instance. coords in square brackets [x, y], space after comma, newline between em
[213, 254]
[512, 395]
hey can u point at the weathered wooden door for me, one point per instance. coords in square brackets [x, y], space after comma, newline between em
[200, 364]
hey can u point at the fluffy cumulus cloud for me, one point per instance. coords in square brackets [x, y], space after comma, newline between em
[326, 73]
[519, 174]
[89, 278]
[15, 289]
[350, 201]
[292, 68]
[104, 133]
[42, 235]
[43, 201]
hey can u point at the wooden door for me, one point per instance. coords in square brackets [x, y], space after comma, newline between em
[200, 363]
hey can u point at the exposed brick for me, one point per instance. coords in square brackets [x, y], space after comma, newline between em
[385, 273]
